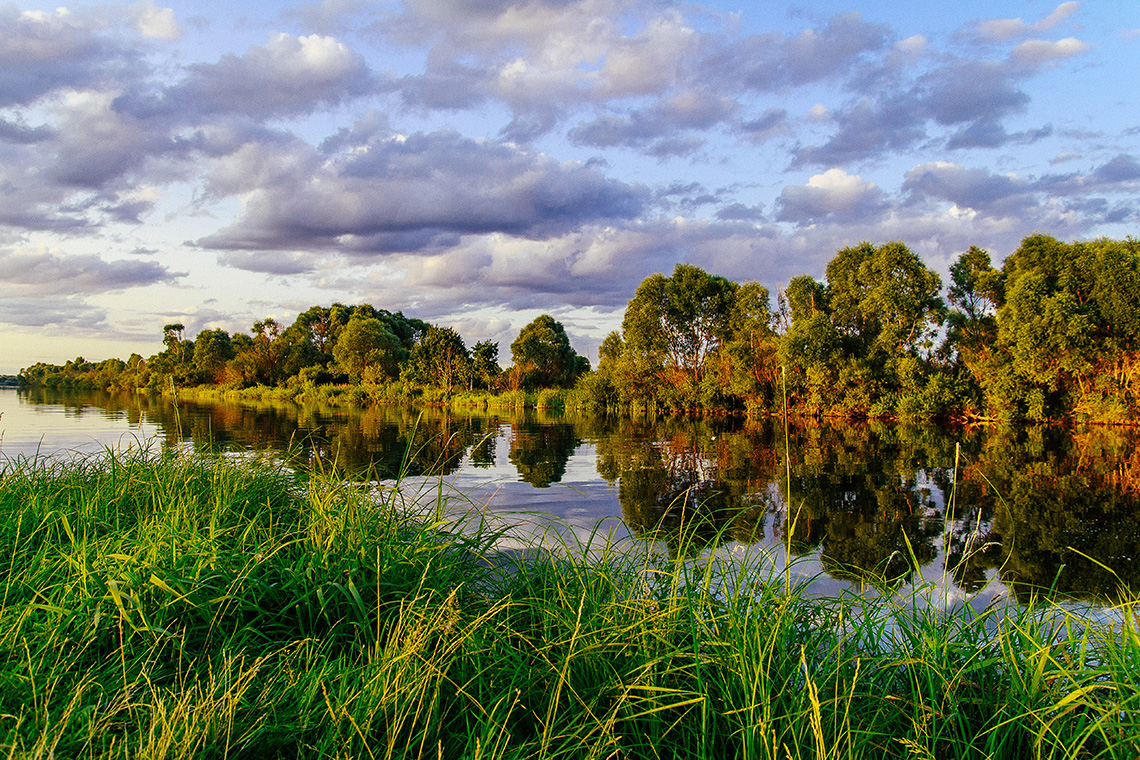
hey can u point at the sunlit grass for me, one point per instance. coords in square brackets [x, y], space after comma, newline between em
[174, 605]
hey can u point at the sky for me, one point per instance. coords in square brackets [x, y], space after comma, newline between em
[476, 163]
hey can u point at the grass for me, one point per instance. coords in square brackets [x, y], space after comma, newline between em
[173, 605]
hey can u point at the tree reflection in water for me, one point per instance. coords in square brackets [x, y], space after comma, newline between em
[1039, 508]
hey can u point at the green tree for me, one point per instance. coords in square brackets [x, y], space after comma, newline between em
[485, 363]
[678, 321]
[367, 349]
[440, 359]
[884, 297]
[1068, 332]
[543, 356]
[213, 349]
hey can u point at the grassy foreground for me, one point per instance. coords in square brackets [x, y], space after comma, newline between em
[162, 605]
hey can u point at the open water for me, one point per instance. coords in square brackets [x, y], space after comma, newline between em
[971, 514]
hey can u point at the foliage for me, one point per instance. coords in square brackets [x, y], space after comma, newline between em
[165, 606]
[543, 356]
[1053, 334]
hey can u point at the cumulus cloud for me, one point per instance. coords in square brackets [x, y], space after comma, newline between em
[418, 187]
[833, 196]
[288, 75]
[44, 272]
[1122, 168]
[977, 189]
[153, 22]
[656, 130]
[867, 129]
[41, 52]
[60, 312]
[1043, 51]
[1004, 29]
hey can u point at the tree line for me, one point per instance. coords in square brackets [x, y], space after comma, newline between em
[1053, 333]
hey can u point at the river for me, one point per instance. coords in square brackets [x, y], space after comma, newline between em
[973, 513]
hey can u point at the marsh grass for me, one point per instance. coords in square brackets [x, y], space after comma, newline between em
[174, 605]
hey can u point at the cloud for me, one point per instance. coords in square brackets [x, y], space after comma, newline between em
[772, 123]
[1035, 52]
[153, 22]
[772, 61]
[867, 129]
[995, 194]
[287, 76]
[1001, 30]
[420, 187]
[41, 52]
[975, 95]
[43, 272]
[657, 129]
[834, 196]
[71, 313]
[1122, 168]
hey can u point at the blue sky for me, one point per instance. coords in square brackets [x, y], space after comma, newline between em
[475, 164]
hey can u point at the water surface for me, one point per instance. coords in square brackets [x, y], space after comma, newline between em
[978, 513]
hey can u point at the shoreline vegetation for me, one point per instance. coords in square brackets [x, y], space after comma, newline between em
[1053, 335]
[166, 604]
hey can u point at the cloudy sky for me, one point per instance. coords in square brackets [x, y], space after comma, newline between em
[475, 163]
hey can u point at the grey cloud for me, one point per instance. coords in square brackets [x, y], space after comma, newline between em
[772, 61]
[655, 130]
[738, 212]
[267, 262]
[675, 147]
[968, 91]
[446, 85]
[43, 51]
[287, 76]
[43, 273]
[991, 134]
[978, 189]
[17, 133]
[57, 312]
[439, 182]
[868, 129]
[1121, 168]
[975, 95]
[999, 195]
[769, 124]
[833, 196]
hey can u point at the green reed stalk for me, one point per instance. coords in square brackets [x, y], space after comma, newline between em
[175, 605]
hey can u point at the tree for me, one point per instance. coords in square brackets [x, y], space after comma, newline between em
[674, 326]
[212, 350]
[367, 349]
[543, 355]
[884, 297]
[440, 359]
[485, 362]
[678, 321]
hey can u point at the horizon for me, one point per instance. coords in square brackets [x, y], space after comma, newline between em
[476, 166]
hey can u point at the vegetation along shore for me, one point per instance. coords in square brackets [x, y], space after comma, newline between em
[1054, 334]
[179, 605]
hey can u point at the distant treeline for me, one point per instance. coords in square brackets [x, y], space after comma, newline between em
[9, 381]
[1053, 334]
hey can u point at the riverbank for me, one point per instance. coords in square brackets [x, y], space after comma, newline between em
[169, 605]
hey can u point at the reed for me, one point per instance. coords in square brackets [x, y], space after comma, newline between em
[176, 605]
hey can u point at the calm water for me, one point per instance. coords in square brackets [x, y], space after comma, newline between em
[1034, 507]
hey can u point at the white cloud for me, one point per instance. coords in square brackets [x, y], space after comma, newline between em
[1043, 51]
[153, 22]
[1000, 30]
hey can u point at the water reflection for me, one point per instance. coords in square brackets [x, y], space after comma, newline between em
[1044, 508]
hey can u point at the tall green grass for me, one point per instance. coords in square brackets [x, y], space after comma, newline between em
[173, 605]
